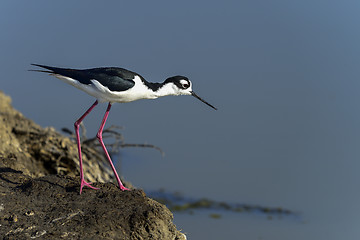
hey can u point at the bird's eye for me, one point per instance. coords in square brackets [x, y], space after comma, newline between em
[184, 84]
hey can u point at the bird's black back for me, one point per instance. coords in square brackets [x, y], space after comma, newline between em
[116, 79]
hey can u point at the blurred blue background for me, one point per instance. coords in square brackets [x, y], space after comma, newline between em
[284, 75]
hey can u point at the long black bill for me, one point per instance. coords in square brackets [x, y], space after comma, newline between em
[194, 94]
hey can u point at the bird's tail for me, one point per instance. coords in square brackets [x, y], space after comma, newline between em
[42, 66]
[38, 65]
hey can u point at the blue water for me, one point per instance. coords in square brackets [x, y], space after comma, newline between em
[283, 74]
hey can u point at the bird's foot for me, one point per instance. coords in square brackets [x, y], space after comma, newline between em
[83, 183]
[124, 188]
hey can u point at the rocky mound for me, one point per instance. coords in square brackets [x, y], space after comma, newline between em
[39, 194]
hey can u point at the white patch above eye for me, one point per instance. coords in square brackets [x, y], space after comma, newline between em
[184, 82]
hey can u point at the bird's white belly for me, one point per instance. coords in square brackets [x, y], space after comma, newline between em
[104, 94]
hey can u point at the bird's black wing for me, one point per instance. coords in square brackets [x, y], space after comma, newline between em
[116, 79]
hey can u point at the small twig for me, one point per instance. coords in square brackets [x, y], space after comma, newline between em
[143, 146]
[68, 216]
[68, 131]
[83, 131]
[110, 132]
[72, 134]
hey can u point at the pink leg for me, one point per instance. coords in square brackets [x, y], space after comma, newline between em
[76, 125]
[99, 136]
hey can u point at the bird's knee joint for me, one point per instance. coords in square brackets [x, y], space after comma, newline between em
[99, 136]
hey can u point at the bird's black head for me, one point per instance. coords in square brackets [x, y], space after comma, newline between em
[182, 86]
[180, 81]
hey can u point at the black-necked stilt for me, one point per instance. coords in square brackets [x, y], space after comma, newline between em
[112, 84]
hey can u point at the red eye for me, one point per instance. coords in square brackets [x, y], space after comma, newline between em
[186, 85]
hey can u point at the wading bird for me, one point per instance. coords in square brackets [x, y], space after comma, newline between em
[113, 84]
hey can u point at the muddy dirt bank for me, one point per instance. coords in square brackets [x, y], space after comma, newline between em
[39, 190]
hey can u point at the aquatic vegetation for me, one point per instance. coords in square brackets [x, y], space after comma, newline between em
[176, 202]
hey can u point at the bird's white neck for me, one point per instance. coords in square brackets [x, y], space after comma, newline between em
[166, 90]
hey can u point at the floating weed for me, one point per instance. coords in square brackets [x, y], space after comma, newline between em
[215, 215]
[176, 202]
